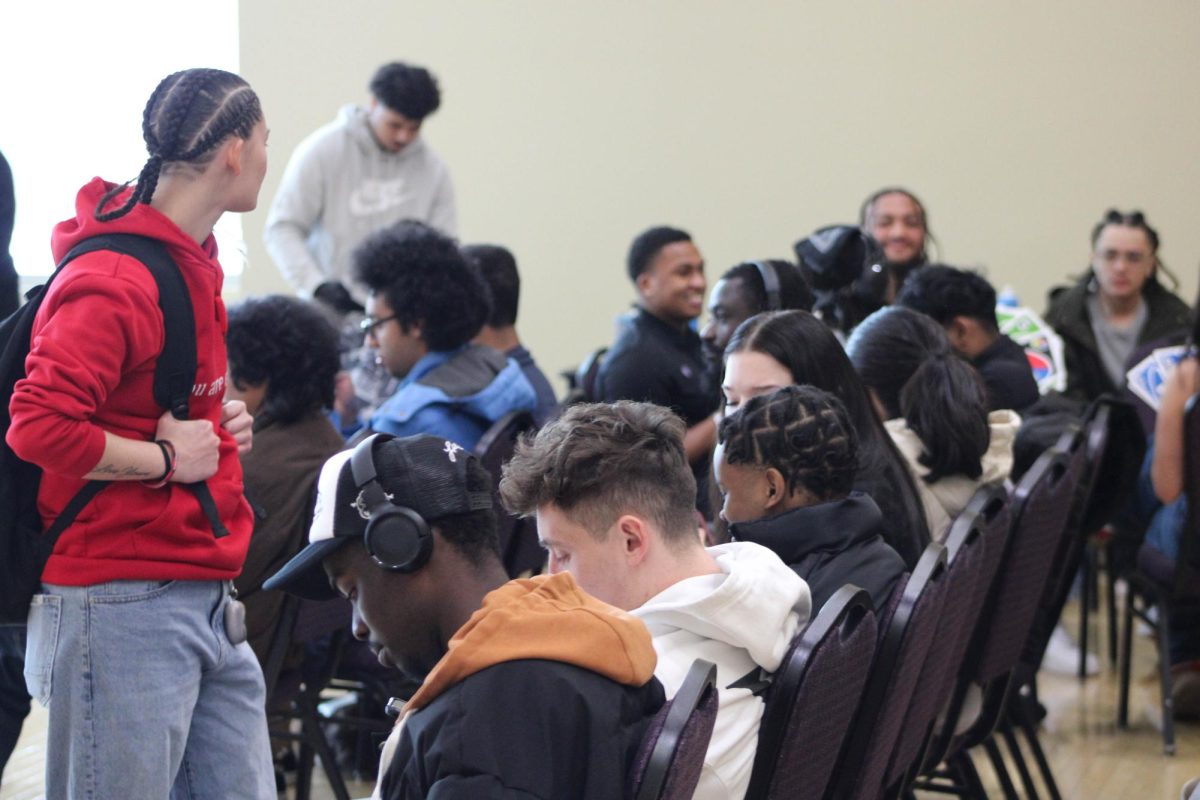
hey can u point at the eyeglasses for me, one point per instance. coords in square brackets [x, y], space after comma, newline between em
[368, 325]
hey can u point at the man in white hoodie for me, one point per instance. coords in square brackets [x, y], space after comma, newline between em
[614, 498]
[364, 171]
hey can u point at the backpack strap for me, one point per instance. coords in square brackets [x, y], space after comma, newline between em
[175, 369]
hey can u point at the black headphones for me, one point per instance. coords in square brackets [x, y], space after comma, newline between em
[770, 279]
[397, 537]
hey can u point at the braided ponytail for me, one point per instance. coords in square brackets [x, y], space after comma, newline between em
[189, 114]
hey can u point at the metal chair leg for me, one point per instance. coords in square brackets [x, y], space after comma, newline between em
[1006, 784]
[967, 777]
[1021, 716]
[1164, 671]
[1018, 758]
[1110, 588]
[1088, 570]
[1126, 658]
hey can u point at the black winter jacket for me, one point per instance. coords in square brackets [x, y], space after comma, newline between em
[829, 545]
[1166, 315]
[525, 730]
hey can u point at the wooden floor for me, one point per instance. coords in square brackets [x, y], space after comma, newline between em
[1089, 756]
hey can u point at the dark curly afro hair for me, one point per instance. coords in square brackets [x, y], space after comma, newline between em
[289, 345]
[426, 280]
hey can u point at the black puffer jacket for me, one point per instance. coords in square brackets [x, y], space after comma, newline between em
[524, 730]
[829, 545]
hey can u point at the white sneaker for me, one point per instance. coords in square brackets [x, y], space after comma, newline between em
[1062, 655]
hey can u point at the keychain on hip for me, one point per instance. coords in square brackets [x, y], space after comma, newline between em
[235, 618]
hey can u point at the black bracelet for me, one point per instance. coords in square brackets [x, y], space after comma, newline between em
[166, 461]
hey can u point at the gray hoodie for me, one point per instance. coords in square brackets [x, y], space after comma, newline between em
[339, 187]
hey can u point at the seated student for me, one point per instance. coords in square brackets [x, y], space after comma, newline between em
[964, 304]
[657, 357]
[742, 292]
[785, 348]
[786, 463]
[896, 219]
[934, 406]
[1169, 522]
[283, 356]
[531, 688]
[612, 491]
[499, 270]
[425, 304]
[1117, 304]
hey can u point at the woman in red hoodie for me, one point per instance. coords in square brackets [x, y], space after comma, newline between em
[151, 689]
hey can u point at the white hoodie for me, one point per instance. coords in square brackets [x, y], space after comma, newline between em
[741, 618]
[339, 187]
[945, 499]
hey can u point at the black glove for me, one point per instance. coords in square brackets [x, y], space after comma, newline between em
[334, 295]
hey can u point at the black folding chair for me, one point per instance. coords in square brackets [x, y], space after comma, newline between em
[812, 699]
[879, 722]
[671, 756]
[519, 548]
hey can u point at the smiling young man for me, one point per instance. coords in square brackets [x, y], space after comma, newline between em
[612, 492]
[658, 357]
[426, 303]
[366, 170]
[530, 688]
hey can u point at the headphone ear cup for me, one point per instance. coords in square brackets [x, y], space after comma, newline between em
[399, 539]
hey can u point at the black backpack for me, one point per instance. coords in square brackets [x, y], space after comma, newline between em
[24, 546]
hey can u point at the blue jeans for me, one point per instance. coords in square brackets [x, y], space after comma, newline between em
[147, 697]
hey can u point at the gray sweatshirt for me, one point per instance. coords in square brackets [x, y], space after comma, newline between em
[339, 187]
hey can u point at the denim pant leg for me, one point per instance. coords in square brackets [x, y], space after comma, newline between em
[121, 667]
[14, 699]
[228, 750]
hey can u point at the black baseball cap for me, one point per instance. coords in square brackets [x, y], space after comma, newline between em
[425, 473]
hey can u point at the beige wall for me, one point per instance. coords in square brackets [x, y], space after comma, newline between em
[569, 126]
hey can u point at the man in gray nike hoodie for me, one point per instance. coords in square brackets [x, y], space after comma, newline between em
[364, 171]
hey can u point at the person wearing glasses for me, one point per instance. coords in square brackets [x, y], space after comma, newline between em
[425, 304]
[1117, 305]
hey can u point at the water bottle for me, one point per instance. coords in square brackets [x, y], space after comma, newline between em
[1007, 298]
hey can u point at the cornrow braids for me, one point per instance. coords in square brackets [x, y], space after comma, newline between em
[801, 431]
[189, 114]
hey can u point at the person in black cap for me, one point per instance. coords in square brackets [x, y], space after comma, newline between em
[530, 688]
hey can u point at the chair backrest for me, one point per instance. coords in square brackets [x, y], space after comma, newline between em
[967, 547]
[1040, 505]
[584, 385]
[672, 751]
[494, 449]
[812, 699]
[1187, 564]
[989, 512]
[894, 674]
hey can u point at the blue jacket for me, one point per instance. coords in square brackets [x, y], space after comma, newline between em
[456, 394]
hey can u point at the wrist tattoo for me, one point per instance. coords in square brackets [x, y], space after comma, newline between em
[120, 472]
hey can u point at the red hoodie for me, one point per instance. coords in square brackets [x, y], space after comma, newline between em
[90, 369]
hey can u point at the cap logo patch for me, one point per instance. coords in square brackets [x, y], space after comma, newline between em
[360, 504]
[451, 449]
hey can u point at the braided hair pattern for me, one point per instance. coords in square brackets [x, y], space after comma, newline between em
[189, 114]
[803, 432]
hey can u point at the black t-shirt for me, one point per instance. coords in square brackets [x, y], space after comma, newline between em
[1007, 375]
[657, 362]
